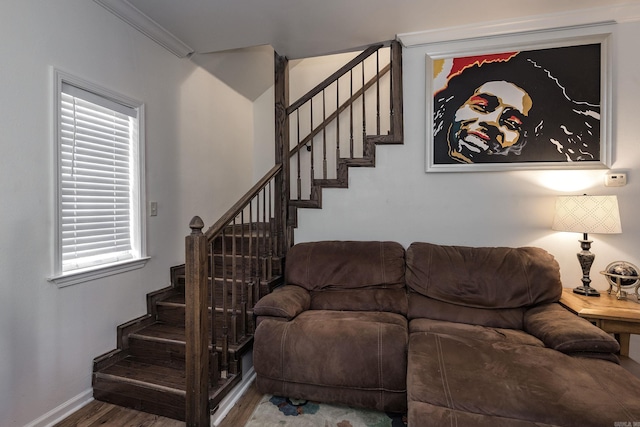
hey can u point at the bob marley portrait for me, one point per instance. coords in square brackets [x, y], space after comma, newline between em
[528, 106]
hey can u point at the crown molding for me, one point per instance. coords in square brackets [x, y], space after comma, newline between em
[532, 24]
[147, 26]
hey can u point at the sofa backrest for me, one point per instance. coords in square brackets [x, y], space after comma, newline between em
[350, 275]
[501, 279]
[345, 265]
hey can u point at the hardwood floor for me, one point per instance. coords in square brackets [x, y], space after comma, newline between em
[107, 415]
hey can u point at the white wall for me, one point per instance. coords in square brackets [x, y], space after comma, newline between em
[198, 144]
[398, 201]
[264, 130]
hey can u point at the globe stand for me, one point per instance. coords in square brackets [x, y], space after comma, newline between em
[621, 274]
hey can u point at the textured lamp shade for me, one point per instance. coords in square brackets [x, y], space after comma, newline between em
[587, 214]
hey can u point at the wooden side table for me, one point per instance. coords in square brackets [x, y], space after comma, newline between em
[619, 317]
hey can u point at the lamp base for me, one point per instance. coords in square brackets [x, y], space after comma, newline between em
[587, 291]
[585, 257]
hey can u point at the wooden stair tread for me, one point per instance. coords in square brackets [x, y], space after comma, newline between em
[177, 299]
[162, 332]
[134, 371]
[310, 204]
[178, 303]
[330, 183]
[175, 335]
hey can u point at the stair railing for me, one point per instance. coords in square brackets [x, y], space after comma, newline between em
[228, 268]
[234, 260]
[340, 119]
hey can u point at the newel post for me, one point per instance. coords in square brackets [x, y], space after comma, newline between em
[397, 127]
[196, 327]
[282, 182]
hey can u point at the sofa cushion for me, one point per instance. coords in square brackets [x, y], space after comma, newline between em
[463, 330]
[390, 300]
[483, 277]
[420, 306]
[345, 265]
[463, 381]
[364, 353]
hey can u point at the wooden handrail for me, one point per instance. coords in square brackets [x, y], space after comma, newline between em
[324, 137]
[342, 107]
[240, 204]
[333, 77]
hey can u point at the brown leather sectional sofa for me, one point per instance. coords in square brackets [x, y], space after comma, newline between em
[451, 335]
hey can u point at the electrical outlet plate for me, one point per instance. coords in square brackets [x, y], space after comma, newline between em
[615, 179]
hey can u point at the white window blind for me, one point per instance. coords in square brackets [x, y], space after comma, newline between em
[98, 140]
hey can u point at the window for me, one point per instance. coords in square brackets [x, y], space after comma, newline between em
[99, 175]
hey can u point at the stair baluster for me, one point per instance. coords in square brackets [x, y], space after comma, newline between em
[364, 108]
[224, 362]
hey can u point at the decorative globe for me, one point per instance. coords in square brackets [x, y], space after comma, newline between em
[624, 268]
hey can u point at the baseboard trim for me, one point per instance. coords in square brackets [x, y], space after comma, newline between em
[63, 411]
[232, 398]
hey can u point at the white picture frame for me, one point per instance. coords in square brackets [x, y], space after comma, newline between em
[534, 48]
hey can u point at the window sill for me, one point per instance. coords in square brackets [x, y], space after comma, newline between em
[75, 277]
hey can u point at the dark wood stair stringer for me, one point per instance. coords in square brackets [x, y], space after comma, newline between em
[342, 181]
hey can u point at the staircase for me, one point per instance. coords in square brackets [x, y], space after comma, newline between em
[240, 258]
[338, 124]
[147, 370]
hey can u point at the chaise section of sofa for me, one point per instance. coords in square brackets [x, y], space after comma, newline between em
[490, 346]
[464, 381]
[337, 330]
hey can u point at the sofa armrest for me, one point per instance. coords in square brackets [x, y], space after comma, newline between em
[287, 302]
[563, 331]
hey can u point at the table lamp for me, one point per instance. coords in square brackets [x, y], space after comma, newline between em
[587, 214]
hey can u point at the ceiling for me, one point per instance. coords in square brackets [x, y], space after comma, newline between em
[307, 28]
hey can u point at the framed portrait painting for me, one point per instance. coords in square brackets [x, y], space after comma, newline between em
[524, 101]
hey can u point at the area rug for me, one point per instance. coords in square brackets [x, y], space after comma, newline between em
[281, 411]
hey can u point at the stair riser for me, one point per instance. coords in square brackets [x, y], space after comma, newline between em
[139, 398]
[172, 315]
[239, 284]
[246, 268]
[160, 353]
[175, 315]
[171, 355]
[248, 244]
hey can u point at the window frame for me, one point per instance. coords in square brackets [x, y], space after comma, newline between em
[138, 219]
